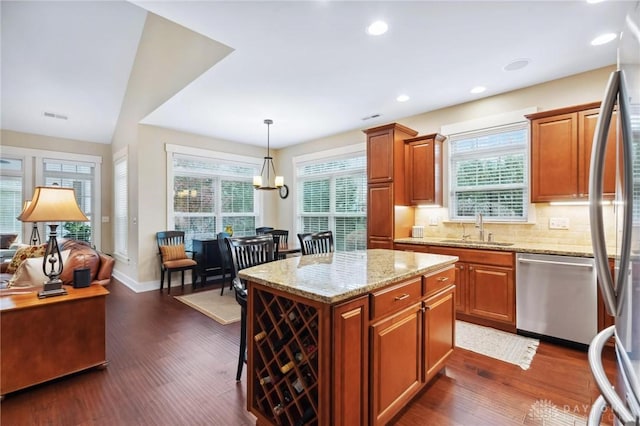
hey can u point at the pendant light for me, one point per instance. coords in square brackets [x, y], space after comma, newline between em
[264, 180]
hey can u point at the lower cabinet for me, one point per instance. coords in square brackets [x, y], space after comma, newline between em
[396, 362]
[485, 286]
[439, 331]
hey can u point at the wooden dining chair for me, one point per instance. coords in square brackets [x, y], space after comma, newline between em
[316, 242]
[225, 260]
[263, 230]
[247, 252]
[283, 241]
[174, 257]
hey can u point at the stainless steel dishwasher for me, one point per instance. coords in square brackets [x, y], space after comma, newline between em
[556, 296]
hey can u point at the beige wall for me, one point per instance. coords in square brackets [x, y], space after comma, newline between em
[152, 198]
[573, 90]
[169, 57]
[31, 141]
[147, 157]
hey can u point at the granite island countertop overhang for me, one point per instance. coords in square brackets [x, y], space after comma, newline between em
[336, 277]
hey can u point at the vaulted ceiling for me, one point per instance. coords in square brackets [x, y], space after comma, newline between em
[308, 65]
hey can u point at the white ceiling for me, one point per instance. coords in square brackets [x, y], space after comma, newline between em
[308, 65]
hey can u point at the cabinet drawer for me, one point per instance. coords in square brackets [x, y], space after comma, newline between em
[438, 280]
[484, 256]
[395, 297]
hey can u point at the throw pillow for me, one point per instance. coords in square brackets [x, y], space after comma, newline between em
[29, 273]
[175, 252]
[24, 253]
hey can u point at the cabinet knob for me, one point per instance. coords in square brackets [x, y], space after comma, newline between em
[461, 267]
[471, 268]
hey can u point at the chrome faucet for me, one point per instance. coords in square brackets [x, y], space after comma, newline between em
[480, 225]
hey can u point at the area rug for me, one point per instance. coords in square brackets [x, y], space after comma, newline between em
[501, 345]
[224, 309]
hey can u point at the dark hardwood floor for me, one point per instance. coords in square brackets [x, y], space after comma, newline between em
[171, 365]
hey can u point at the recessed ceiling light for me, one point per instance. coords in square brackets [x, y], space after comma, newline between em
[402, 98]
[377, 28]
[603, 39]
[478, 89]
[516, 64]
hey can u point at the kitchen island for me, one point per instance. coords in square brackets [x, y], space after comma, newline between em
[346, 338]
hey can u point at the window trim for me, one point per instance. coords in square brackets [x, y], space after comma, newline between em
[121, 155]
[34, 175]
[489, 125]
[172, 150]
[323, 156]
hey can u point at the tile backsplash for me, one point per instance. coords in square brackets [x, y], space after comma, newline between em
[573, 222]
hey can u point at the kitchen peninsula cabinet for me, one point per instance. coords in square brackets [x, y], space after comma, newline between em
[424, 169]
[353, 350]
[386, 182]
[561, 143]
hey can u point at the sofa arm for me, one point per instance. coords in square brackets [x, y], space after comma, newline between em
[103, 277]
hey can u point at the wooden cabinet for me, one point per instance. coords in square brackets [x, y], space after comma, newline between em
[439, 331]
[561, 142]
[424, 169]
[356, 362]
[395, 374]
[485, 286]
[387, 187]
[45, 339]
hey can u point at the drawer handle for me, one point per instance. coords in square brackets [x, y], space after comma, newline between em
[401, 297]
[443, 279]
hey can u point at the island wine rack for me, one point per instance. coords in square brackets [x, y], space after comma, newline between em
[285, 359]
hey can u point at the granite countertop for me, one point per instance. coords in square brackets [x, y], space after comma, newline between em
[335, 277]
[519, 247]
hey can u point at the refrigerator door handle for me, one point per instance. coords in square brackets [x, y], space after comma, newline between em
[597, 409]
[606, 389]
[595, 194]
[622, 280]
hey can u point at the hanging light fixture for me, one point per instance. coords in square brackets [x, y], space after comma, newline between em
[264, 180]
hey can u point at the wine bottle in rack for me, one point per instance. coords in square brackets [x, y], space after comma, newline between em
[308, 415]
[287, 335]
[269, 379]
[260, 336]
[287, 367]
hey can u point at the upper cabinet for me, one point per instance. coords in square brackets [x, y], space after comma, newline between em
[561, 142]
[386, 184]
[424, 169]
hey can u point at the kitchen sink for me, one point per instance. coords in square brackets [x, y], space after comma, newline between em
[475, 242]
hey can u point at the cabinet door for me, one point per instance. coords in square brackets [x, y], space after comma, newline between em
[380, 156]
[380, 214]
[439, 326]
[396, 362]
[554, 158]
[350, 363]
[587, 128]
[461, 287]
[491, 293]
[422, 172]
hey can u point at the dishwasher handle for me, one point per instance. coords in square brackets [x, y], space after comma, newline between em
[552, 262]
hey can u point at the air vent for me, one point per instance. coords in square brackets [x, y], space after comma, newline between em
[54, 115]
[370, 117]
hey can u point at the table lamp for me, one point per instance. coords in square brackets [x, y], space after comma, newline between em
[35, 234]
[52, 204]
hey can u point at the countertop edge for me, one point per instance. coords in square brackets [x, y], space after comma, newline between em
[365, 289]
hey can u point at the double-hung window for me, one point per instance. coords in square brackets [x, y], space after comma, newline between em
[488, 173]
[11, 195]
[121, 205]
[211, 194]
[79, 176]
[332, 195]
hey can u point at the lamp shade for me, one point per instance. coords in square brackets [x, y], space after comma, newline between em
[53, 204]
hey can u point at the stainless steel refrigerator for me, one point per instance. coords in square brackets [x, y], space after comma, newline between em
[622, 294]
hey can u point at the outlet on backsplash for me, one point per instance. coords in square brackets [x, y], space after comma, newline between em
[558, 223]
[433, 220]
